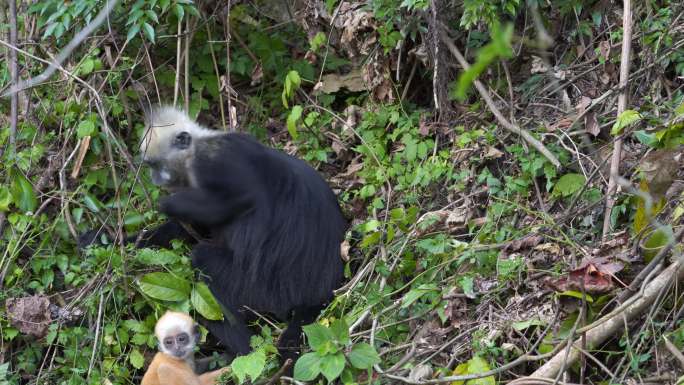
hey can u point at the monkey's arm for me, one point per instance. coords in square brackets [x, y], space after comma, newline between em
[209, 378]
[160, 236]
[171, 375]
[205, 208]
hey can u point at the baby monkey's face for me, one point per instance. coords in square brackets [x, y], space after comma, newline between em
[180, 345]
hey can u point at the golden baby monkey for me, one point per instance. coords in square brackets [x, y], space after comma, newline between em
[178, 335]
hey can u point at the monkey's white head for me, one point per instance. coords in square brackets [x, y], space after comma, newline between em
[178, 335]
[169, 144]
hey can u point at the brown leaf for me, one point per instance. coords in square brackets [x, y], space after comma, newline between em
[594, 276]
[332, 83]
[604, 49]
[31, 315]
[257, 75]
[344, 250]
[584, 102]
[591, 124]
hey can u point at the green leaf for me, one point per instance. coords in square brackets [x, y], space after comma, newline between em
[475, 365]
[655, 241]
[164, 286]
[340, 330]
[626, 119]
[85, 128]
[5, 198]
[318, 336]
[568, 184]
[149, 31]
[251, 365]
[317, 41]
[680, 110]
[499, 47]
[292, 119]
[645, 138]
[414, 294]
[307, 367]
[363, 356]
[332, 366]
[132, 32]
[22, 193]
[156, 257]
[136, 359]
[522, 325]
[577, 294]
[204, 302]
[87, 67]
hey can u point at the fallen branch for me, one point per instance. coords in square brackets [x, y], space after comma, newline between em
[607, 329]
[621, 107]
[531, 140]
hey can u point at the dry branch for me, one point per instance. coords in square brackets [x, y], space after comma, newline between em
[539, 146]
[622, 106]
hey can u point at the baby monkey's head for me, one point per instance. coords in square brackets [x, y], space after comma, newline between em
[178, 334]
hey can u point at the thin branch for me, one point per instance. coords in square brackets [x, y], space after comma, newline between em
[622, 106]
[14, 73]
[229, 88]
[539, 146]
[64, 54]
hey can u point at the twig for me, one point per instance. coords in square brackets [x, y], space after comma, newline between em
[218, 79]
[64, 54]
[231, 123]
[539, 146]
[176, 83]
[14, 73]
[186, 66]
[674, 351]
[278, 374]
[622, 106]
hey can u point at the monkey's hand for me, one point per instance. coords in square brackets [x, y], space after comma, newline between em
[204, 208]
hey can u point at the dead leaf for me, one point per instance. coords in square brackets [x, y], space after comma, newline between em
[332, 83]
[423, 127]
[582, 105]
[594, 276]
[311, 57]
[31, 315]
[538, 65]
[591, 125]
[420, 372]
[344, 250]
[550, 248]
[456, 309]
[493, 153]
[257, 75]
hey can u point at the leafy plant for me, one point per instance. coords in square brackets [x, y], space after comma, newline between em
[332, 353]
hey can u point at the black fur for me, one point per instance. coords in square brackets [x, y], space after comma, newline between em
[275, 231]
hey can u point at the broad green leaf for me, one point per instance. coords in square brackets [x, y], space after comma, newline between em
[340, 330]
[626, 119]
[87, 67]
[307, 367]
[5, 198]
[149, 31]
[156, 257]
[467, 283]
[577, 294]
[332, 365]
[680, 110]
[318, 335]
[204, 302]
[317, 41]
[363, 356]
[132, 32]
[475, 365]
[657, 239]
[164, 286]
[92, 203]
[251, 365]
[414, 294]
[85, 128]
[522, 325]
[136, 359]
[22, 193]
[568, 184]
[292, 119]
[642, 136]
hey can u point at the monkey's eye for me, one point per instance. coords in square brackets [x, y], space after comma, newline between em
[182, 339]
[168, 341]
[182, 140]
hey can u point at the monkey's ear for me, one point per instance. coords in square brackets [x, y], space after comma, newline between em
[182, 140]
[196, 332]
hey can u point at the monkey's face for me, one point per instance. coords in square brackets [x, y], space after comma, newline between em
[167, 154]
[179, 345]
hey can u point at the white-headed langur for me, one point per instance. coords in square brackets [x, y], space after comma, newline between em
[270, 226]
